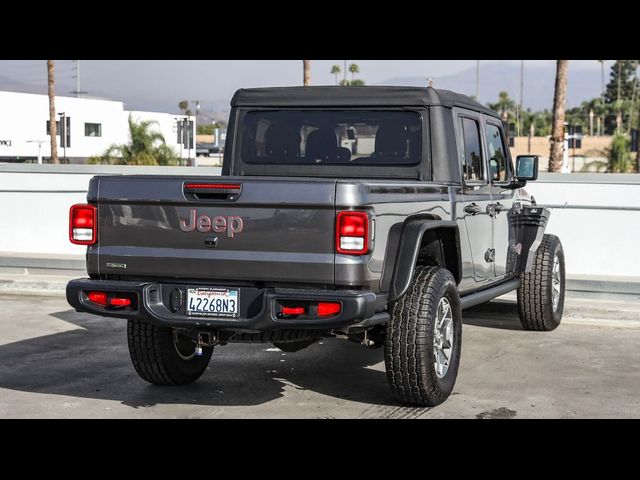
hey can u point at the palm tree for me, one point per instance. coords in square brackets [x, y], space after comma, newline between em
[557, 123]
[53, 131]
[335, 70]
[146, 148]
[306, 72]
[183, 106]
[354, 68]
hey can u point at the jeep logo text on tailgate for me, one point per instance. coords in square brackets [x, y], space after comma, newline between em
[218, 224]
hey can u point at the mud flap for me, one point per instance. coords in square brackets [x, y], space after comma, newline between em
[526, 228]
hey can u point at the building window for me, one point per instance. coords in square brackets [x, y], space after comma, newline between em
[92, 129]
[57, 128]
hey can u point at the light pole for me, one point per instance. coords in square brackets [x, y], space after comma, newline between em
[521, 92]
[478, 80]
[63, 134]
[197, 103]
[601, 129]
[180, 135]
[39, 142]
[186, 128]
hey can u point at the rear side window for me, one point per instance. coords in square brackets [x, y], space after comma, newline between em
[316, 137]
[472, 157]
[497, 154]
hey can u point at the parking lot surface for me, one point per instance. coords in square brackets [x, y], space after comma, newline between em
[57, 363]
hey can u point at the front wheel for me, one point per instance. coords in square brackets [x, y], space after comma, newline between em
[424, 339]
[163, 355]
[541, 292]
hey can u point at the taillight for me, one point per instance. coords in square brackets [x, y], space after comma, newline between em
[110, 299]
[306, 309]
[329, 309]
[120, 302]
[83, 224]
[352, 233]
[292, 310]
[98, 297]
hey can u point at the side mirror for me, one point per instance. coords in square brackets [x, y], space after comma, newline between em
[527, 167]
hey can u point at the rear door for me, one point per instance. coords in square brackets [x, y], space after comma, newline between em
[476, 192]
[217, 228]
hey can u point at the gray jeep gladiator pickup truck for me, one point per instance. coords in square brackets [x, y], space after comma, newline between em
[372, 213]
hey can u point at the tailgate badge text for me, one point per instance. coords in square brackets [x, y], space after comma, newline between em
[219, 224]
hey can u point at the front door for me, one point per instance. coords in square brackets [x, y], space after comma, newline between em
[500, 175]
[476, 194]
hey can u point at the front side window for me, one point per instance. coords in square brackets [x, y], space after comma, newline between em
[316, 137]
[497, 154]
[92, 130]
[472, 156]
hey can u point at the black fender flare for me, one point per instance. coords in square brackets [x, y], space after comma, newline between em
[409, 247]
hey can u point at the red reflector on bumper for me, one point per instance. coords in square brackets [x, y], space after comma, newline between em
[98, 297]
[327, 309]
[292, 310]
[119, 302]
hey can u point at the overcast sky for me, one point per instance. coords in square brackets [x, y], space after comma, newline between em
[214, 80]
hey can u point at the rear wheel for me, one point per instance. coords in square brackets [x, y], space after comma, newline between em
[424, 338]
[163, 355]
[541, 293]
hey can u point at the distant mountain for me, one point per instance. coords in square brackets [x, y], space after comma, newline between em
[583, 84]
[209, 111]
[12, 85]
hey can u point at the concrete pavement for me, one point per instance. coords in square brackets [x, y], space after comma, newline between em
[56, 363]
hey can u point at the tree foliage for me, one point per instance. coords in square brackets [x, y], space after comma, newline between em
[353, 69]
[184, 107]
[623, 70]
[621, 95]
[619, 154]
[336, 70]
[207, 128]
[505, 106]
[146, 148]
[354, 82]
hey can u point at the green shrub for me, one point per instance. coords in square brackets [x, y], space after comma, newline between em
[619, 154]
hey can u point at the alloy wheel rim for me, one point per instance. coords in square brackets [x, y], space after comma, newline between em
[556, 283]
[443, 338]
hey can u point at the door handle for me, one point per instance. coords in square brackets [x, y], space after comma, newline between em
[472, 209]
[494, 209]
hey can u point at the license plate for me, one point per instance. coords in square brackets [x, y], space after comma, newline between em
[214, 302]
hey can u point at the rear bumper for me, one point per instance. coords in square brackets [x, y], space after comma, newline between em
[154, 303]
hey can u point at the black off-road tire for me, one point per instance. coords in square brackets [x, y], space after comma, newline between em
[409, 345]
[535, 298]
[156, 359]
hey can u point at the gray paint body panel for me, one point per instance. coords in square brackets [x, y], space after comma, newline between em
[287, 233]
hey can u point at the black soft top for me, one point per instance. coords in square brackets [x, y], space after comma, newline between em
[364, 96]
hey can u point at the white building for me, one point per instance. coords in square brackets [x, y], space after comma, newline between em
[94, 125]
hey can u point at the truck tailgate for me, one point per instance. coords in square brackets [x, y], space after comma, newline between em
[215, 228]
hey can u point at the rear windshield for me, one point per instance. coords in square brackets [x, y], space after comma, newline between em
[312, 137]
